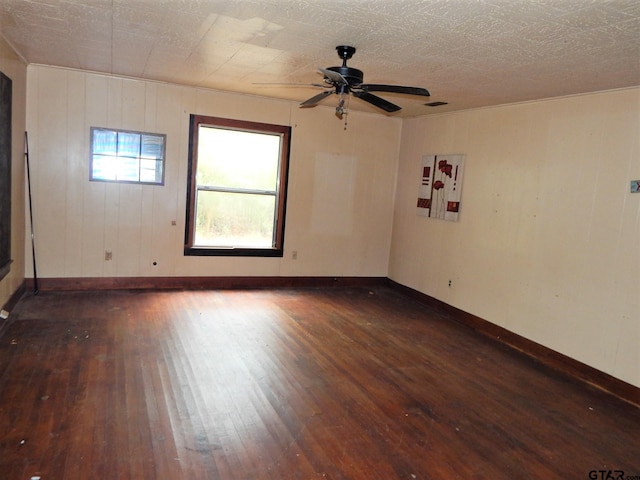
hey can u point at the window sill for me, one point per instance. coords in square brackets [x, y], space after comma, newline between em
[231, 252]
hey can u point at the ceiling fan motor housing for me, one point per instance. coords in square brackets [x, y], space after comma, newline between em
[352, 75]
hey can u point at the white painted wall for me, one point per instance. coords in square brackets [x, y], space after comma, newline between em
[548, 241]
[341, 183]
[13, 67]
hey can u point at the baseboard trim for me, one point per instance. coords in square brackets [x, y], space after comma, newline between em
[539, 353]
[199, 283]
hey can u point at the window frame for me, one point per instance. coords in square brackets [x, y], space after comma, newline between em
[277, 248]
[163, 160]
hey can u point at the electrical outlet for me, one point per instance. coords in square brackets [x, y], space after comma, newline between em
[294, 255]
[108, 255]
[450, 283]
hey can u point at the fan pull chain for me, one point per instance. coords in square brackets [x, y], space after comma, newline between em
[346, 112]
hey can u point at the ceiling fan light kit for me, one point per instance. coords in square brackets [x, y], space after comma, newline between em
[345, 80]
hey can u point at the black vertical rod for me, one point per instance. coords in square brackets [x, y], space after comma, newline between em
[33, 243]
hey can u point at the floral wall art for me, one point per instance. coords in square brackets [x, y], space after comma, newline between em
[441, 186]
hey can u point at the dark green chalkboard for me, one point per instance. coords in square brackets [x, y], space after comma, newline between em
[5, 174]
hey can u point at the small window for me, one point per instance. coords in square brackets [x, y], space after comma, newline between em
[127, 157]
[236, 188]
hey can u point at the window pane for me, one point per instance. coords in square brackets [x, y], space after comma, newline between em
[128, 144]
[152, 146]
[104, 168]
[128, 169]
[150, 171]
[231, 158]
[234, 220]
[104, 142]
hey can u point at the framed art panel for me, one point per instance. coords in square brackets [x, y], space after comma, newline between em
[441, 186]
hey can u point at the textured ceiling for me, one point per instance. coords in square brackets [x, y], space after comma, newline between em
[469, 53]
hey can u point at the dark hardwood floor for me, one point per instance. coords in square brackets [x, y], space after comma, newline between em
[323, 383]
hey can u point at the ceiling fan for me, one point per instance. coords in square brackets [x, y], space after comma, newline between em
[346, 80]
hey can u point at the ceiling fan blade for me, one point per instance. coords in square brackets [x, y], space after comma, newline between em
[316, 99]
[375, 87]
[335, 77]
[377, 101]
[284, 84]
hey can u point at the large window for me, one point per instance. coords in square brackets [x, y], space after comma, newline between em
[237, 187]
[126, 156]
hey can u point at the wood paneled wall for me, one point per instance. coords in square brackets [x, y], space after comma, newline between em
[78, 220]
[548, 241]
